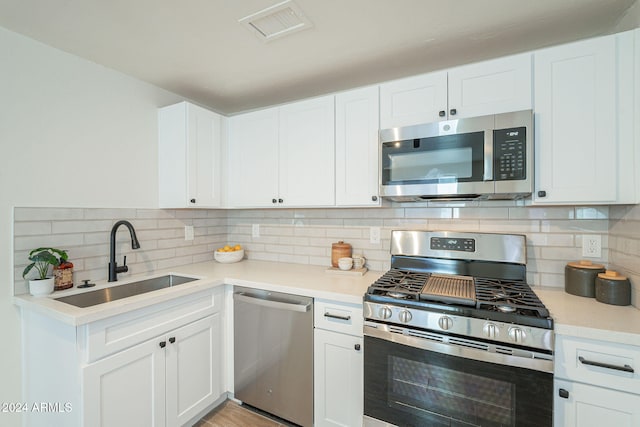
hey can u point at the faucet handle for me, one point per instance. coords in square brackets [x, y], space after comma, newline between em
[124, 263]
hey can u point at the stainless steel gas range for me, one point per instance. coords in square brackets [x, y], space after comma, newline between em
[454, 336]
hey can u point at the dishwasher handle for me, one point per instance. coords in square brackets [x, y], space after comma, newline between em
[272, 303]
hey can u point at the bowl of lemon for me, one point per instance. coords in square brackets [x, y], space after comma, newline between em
[229, 254]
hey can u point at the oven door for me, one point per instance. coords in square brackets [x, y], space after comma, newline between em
[408, 385]
[443, 159]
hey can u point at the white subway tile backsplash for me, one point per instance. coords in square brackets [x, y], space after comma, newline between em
[554, 234]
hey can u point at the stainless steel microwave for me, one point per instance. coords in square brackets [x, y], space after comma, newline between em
[487, 157]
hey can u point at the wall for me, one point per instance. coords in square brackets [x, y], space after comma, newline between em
[73, 133]
[624, 242]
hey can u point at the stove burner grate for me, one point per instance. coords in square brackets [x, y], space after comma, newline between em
[400, 284]
[508, 297]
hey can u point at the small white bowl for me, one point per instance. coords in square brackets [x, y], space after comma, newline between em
[229, 257]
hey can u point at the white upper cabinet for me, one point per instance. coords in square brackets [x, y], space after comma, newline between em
[189, 157]
[357, 148]
[489, 87]
[253, 159]
[283, 156]
[584, 109]
[307, 150]
[414, 100]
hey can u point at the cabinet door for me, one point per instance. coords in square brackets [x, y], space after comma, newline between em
[575, 123]
[414, 100]
[357, 148]
[591, 406]
[204, 148]
[189, 157]
[338, 379]
[194, 369]
[253, 159]
[126, 389]
[490, 87]
[307, 149]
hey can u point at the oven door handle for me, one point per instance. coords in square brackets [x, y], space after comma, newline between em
[625, 368]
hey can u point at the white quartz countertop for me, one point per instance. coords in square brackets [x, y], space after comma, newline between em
[573, 315]
[587, 318]
[306, 280]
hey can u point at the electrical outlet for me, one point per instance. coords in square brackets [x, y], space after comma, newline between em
[188, 232]
[592, 245]
[255, 230]
[374, 235]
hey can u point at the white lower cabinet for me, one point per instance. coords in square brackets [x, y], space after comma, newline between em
[591, 406]
[338, 364]
[165, 381]
[596, 383]
[160, 365]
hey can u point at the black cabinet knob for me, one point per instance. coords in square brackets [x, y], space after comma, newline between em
[172, 340]
[542, 193]
[374, 198]
[163, 344]
[274, 201]
[192, 200]
[442, 113]
[280, 200]
[453, 112]
[357, 347]
[563, 393]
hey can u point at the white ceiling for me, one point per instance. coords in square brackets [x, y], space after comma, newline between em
[197, 48]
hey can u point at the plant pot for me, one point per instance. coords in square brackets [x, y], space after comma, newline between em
[41, 287]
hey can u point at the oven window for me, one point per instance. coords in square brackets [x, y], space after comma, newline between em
[409, 386]
[423, 389]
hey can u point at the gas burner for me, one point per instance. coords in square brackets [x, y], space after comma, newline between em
[506, 308]
[398, 295]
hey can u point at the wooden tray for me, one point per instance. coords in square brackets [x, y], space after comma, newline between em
[352, 272]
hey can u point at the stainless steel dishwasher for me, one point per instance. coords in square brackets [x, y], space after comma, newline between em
[273, 353]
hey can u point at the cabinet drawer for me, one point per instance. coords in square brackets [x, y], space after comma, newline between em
[338, 317]
[600, 363]
[114, 334]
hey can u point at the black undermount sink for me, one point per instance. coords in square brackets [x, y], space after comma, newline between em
[99, 296]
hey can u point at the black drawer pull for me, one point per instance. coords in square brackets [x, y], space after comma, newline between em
[162, 344]
[335, 316]
[625, 368]
[563, 393]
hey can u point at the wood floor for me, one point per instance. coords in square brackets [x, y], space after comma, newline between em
[230, 414]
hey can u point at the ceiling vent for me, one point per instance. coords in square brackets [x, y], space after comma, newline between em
[276, 21]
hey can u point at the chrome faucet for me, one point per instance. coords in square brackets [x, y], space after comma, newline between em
[113, 265]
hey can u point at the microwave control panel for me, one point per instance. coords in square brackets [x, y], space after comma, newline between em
[510, 152]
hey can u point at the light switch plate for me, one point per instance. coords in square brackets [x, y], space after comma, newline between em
[374, 235]
[188, 232]
[255, 230]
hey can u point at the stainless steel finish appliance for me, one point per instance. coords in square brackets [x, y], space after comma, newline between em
[273, 353]
[455, 336]
[487, 157]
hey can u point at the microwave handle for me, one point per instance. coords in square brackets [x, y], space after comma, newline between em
[488, 155]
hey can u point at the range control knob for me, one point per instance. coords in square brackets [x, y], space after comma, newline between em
[405, 316]
[385, 313]
[517, 335]
[490, 330]
[445, 322]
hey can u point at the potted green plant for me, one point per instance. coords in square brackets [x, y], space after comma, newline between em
[41, 259]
